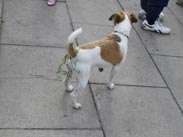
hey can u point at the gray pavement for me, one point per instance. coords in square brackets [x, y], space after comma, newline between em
[146, 102]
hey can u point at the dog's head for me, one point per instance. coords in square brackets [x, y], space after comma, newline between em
[118, 17]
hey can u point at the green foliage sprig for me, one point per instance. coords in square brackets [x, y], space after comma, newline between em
[60, 72]
[64, 73]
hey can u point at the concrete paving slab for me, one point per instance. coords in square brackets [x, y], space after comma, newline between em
[138, 68]
[177, 10]
[164, 44]
[171, 68]
[92, 11]
[25, 61]
[92, 32]
[138, 112]
[130, 4]
[39, 103]
[32, 22]
[52, 133]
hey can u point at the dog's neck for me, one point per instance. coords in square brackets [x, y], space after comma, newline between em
[123, 27]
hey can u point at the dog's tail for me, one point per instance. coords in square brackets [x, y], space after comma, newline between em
[71, 50]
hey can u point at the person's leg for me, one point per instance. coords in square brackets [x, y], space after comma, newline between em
[153, 13]
[151, 23]
[143, 4]
[142, 12]
[144, 8]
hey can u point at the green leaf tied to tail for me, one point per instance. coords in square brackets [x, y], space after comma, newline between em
[60, 72]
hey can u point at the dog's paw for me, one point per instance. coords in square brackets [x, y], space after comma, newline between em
[110, 85]
[77, 106]
[69, 88]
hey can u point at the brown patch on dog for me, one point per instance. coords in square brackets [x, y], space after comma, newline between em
[132, 18]
[72, 52]
[117, 17]
[93, 44]
[110, 50]
[111, 53]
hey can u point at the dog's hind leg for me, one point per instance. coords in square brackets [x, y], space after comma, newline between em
[74, 95]
[110, 84]
[68, 87]
[82, 81]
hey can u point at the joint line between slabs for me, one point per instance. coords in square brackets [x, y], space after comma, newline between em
[97, 110]
[143, 86]
[163, 55]
[43, 129]
[33, 46]
[1, 24]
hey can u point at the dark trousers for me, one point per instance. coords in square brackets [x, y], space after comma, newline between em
[153, 8]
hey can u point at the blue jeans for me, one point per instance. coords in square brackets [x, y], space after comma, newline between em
[153, 8]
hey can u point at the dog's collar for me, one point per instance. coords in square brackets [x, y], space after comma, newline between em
[122, 34]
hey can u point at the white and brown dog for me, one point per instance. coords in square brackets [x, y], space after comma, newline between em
[110, 50]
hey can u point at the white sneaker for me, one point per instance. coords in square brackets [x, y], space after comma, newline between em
[142, 15]
[156, 27]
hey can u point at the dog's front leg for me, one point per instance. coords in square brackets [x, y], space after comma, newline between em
[82, 81]
[110, 84]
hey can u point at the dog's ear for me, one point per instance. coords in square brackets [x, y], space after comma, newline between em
[117, 17]
[112, 16]
[133, 18]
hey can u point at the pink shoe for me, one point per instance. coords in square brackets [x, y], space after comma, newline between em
[51, 2]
